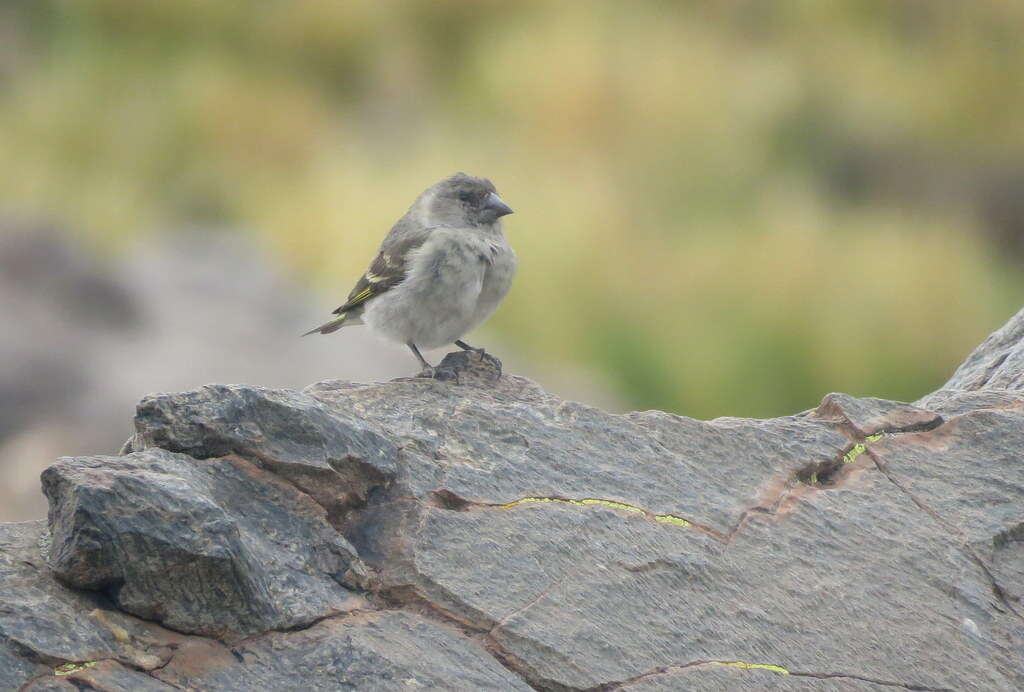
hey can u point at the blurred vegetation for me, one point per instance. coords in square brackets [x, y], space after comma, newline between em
[723, 208]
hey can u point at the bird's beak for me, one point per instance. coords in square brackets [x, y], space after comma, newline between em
[495, 204]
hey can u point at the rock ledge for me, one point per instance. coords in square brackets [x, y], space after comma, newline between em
[480, 534]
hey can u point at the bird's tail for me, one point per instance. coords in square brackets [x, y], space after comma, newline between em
[328, 327]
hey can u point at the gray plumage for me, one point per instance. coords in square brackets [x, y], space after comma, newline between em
[441, 271]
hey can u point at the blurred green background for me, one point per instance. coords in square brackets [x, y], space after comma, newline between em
[723, 208]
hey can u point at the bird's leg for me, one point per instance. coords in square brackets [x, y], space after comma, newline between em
[466, 347]
[427, 367]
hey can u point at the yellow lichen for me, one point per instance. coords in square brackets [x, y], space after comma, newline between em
[859, 448]
[69, 668]
[661, 518]
[669, 519]
[751, 666]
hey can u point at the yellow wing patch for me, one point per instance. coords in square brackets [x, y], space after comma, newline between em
[361, 296]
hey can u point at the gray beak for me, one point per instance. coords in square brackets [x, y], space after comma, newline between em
[495, 204]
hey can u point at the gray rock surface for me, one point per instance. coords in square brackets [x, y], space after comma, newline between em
[44, 625]
[998, 363]
[991, 377]
[385, 650]
[109, 676]
[333, 456]
[483, 534]
[220, 548]
[869, 416]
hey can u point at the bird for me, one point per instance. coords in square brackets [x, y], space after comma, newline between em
[440, 272]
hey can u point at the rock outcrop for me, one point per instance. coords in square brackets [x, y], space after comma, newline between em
[484, 535]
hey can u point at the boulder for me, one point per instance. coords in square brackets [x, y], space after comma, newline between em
[219, 548]
[479, 533]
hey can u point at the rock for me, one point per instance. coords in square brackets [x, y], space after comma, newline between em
[108, 676]
[998, 363]
[218, 548]
[493, 445]
[731, 676]
[479, 533]
[968, 475]
[333, 456]
[375, 651]
[16, 666]
[464, 367]
[869, 416]
[991, 377]
[44, 625]
[955, 403]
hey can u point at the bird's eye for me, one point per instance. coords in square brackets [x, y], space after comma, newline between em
[466, 196]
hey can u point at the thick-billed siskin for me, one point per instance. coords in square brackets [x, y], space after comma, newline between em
[441, 271]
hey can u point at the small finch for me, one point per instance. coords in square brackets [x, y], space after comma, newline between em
[441, 271]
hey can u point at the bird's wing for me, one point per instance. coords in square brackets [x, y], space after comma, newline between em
[386, 271]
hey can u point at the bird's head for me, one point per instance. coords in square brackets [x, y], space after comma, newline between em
[462, 200]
